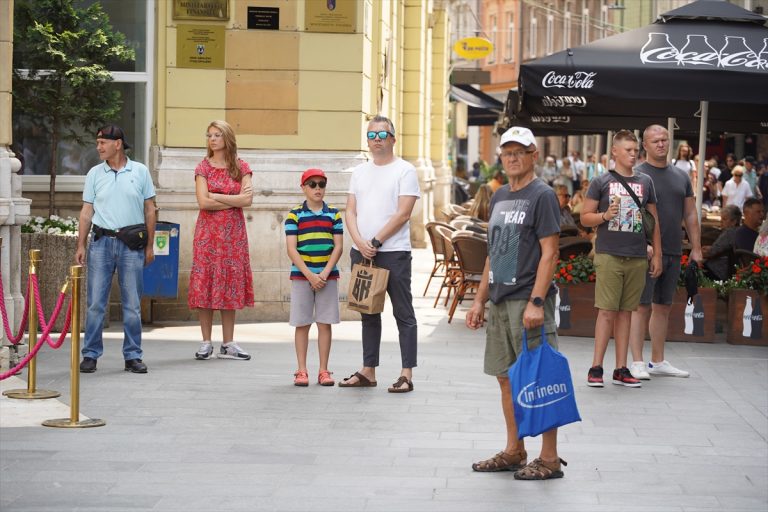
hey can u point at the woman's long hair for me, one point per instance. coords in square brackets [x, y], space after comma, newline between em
[230, 148]
[680, 152]
[481, 204]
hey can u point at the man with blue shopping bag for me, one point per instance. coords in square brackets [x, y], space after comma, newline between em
[523, 233]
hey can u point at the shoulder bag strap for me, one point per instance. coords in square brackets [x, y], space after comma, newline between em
[621, 180]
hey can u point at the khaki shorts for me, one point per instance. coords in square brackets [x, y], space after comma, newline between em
[504, 334]
[309, 306]
[620, 282]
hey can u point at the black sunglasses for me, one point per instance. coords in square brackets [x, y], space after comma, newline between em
[315, 184]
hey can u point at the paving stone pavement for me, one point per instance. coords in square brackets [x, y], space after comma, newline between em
[225, 435]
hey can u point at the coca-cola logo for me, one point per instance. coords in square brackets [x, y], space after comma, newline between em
[577, 80]
[698, 315]
[565, 308]
[564, 101]
[551, 119]
[698, 50]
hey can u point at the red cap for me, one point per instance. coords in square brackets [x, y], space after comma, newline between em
[311, 173]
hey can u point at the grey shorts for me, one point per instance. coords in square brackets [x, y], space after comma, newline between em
[309, 306]
[662, 289]
[504, 334]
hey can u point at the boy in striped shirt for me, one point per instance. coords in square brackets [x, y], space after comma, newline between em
[314, 238]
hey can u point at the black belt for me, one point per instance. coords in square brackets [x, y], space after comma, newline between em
[99, 232]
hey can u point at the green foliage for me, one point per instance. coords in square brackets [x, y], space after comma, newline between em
[574, 270]
[487, 171]
[60, 74]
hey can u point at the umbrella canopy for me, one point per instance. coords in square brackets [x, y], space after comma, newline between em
[707, 50]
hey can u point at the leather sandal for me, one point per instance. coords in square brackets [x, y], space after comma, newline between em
[362, 382]
[541, 470]
[502, 461]
[395, 388]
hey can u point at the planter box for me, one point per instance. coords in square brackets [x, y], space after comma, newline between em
[695, 322]
[575, 310]
[57, 255]
[746, 313]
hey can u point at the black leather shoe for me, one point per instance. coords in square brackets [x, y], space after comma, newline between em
[88, 365]
[135, 366]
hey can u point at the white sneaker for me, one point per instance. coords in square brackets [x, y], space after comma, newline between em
[665, 369]
[233, 351]
[205, 351]
[639, 371]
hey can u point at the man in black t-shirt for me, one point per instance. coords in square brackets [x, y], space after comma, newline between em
[523, 235]
[746, 234]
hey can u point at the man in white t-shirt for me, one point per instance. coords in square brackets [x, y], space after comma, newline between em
[736, 189]
[382, 194]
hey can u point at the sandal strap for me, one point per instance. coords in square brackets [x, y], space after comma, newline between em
[540, 469]
[503, 460]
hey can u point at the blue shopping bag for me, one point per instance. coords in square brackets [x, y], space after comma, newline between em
[542, 389]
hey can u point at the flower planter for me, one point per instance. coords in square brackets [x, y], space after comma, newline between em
[575, 310]
[57, 255]
[746, 312]
[694, 322]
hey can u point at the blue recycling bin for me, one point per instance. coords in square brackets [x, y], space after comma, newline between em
[161, 278]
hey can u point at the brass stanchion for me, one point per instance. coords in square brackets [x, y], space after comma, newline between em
[31, 392]
[76, 276]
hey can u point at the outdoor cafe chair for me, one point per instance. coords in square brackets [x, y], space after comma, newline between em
[439, 251]
[574, 245]
[471, 252]
[450, 278]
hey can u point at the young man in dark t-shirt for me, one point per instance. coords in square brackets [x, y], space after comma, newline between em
[523, 234]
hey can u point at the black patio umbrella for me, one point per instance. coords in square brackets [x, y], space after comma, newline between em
[704, 52]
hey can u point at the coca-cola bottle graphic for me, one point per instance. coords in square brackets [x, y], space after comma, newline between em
[746, 317]
[557, 308]
[698, 316]
[659, 50]
[757, 320]
[688, 329]
[698, 52]
[763, 56]
[565, 309]
[736, 53]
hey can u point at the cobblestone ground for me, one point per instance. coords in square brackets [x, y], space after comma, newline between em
[224, 435]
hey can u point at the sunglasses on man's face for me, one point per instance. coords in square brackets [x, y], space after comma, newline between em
[381, 135]
[315, 184]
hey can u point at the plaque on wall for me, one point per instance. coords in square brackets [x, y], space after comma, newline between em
[200, 46]
[201, 10]
[330, 16]
[264, 18]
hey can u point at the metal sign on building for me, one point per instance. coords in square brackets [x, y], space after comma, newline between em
[200, 46]
[201, 10]
[472, 48]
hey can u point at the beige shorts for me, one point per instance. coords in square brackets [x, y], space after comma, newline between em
[504, 334]
[620, 282]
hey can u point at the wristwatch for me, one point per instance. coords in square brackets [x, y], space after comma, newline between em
[537, 301]
[375, 243]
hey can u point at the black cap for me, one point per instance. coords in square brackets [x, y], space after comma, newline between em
[112, 132]
[750, 159]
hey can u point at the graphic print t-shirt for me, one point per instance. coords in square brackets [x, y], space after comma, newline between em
[622, 235]
[518, 221]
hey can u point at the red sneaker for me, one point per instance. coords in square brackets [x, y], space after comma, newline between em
[623, 377]
[595, 377]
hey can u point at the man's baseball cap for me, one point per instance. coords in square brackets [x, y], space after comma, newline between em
[518, 134]
[112, 132]
[312, 173]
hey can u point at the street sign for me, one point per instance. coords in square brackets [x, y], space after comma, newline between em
[472, 48]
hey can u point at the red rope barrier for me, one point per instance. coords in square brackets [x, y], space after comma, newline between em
[48, 326]
[15, 340]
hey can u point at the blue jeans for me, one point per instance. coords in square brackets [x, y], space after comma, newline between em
[106, 255]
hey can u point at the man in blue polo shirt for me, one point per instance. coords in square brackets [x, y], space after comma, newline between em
[118, 193]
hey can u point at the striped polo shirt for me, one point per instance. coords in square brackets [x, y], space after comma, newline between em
[314, 232]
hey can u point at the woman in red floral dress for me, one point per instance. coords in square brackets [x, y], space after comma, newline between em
[221, 271]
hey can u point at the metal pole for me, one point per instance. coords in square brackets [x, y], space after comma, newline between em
[76, 276]
[704, 107]
[31, 393]
[671, 123]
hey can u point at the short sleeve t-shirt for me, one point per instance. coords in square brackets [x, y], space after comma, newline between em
[118, 195]
[622, 235]
[518, 221]
[377, 190]
[672, 187]
[314, 231]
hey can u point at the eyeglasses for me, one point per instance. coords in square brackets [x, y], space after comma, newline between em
[381, 135]
[213, 135]
[315, 184]
[516, 154]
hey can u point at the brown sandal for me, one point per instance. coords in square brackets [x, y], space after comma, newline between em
[502, 461]
[362, 382]
[541, 470]
[395, 388]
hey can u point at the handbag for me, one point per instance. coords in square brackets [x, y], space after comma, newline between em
[542, 389]
[135, 236]
[367, 288]
[649, 222]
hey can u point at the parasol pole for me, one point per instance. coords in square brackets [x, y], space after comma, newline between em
[671, 123]
[704, 109]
